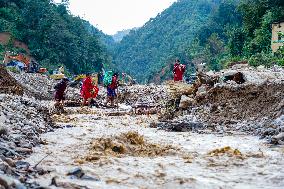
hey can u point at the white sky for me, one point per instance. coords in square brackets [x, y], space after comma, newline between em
[111, 16]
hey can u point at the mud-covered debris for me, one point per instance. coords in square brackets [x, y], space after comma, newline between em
[152, 95]
[127, 144]
[185, 102]
[63, 118]
[8, 84]
[178, 126]
[42, 87]
[226, 151]
[207, 79]
[236, 77]
[177, 89]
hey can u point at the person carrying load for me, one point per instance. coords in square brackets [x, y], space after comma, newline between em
[111, 82]
[178, 71]
[59, 94]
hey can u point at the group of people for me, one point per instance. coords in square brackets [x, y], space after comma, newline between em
[89, 90]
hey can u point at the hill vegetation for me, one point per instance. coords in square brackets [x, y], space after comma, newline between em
[215, 32]
[238, 31]
[120, 34]
[163, 38]
[54, 36]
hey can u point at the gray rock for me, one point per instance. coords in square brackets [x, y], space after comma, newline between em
[22, 165]
[77, 172]
[3, 130]
[9, 182]
[278, 138]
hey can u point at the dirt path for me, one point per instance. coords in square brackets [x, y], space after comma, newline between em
[188, 165]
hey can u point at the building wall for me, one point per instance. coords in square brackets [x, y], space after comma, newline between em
[275, 43]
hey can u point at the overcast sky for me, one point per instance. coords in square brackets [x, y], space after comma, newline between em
[111, 16]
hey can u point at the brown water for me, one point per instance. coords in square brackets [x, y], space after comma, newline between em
[189, 165]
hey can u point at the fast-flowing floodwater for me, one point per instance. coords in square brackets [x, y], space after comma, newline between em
[254, 165]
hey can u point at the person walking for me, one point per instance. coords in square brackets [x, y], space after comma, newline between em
[111, 90]
[87, 90]
[59, 95]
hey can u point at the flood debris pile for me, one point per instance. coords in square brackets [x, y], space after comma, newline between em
[241, 99]
[251, 107]
[185, 125]
[259, 96]
[127, 144]
[22, 120]
[136, 94]
[42, 87]
[8, 84]
[178, 89]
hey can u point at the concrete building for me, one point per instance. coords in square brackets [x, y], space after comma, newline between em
[277, 35]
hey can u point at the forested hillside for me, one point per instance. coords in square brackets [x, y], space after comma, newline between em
[215, 32]
[162, 38]
[53, 35]
[238, 31]
[120, 34]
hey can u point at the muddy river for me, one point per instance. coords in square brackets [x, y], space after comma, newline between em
[182, 160]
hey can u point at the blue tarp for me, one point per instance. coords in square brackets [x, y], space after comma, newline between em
[16, 63]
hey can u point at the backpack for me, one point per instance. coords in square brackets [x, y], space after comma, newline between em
[108, 78]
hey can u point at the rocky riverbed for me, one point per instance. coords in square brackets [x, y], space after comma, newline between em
[217, 133]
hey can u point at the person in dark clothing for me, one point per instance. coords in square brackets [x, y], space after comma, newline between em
[59, 94]
[111, 90]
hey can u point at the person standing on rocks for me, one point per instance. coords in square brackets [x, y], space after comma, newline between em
[178, 70]
[59, 95]
[111, 90]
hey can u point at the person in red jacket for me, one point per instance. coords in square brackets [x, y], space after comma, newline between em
[178, 71]
[87, 90]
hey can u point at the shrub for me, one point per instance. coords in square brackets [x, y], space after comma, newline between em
[266, 59]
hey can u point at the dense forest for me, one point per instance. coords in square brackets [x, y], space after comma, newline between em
[120, 34]
[238, 31]
[53, 35]
[215, 32]
[162, 39]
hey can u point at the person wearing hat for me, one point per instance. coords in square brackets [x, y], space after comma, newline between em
[59, 94]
